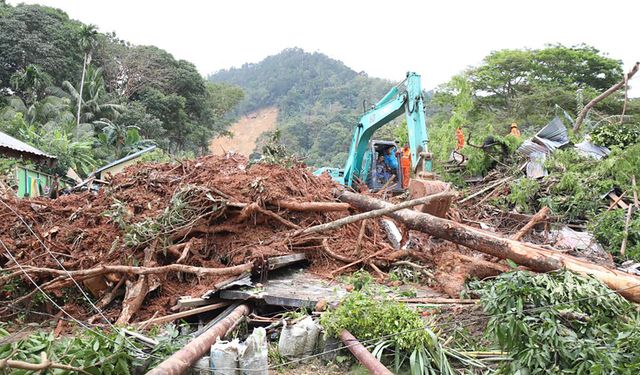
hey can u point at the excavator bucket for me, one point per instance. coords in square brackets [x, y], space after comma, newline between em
[419, 187]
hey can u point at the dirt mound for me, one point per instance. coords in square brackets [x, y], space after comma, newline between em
[214, 212]
[246, 132]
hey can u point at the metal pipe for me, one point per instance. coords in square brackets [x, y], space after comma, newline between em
[184, 358]
[363, 355]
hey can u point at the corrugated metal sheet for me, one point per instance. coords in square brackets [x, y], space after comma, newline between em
[535, 166]
[587, 148]
[554, 135]
[9, 142]
[125, 159]
[528, 147]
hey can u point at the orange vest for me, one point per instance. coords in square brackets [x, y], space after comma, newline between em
[405, 160]
[460, 138]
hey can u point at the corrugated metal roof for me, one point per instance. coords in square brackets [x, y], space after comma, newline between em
[124, 159]
[9, 142]
[553, 135]
[528, 147]
[587, 148]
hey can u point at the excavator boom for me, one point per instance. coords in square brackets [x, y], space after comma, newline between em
[407, 98]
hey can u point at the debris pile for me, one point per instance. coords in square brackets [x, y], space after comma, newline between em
[160, 231]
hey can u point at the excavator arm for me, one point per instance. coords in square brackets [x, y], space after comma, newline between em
[406, 97]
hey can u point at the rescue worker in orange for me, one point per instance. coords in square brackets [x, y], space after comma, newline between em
[459, 138]
[514, 130]
[405, 165]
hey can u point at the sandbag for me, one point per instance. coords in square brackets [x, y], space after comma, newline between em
[313, 330]
[253, 355]
[299, 340]
[224, 357]
[292, 340]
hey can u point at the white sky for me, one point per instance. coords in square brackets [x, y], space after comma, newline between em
[382, 38]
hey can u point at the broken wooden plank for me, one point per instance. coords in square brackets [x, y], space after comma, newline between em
[618, 199]
[184, 314]
[538, 217]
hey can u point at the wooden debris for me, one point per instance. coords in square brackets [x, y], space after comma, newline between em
[44, 364]
[181, 360]
[359, 261]
[482, 191]
[538, 217]
[371, 214]
[184, 314]
[635, 191]
[583, 113]
[312, 206]
[133, 270]
[627, 221]
[618, 199]
[534, 257]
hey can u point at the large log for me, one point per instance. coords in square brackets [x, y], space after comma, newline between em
[181, 360]
[362, 354]
[529, 255]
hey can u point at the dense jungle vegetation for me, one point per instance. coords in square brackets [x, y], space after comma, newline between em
[89, 97]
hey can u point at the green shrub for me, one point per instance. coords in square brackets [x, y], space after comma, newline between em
[373, 318]
[608, 229]
[523, 194]
[561, 323]
[615, 134]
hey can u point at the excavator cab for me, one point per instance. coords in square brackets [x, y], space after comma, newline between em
[379, 172]
[366, 160]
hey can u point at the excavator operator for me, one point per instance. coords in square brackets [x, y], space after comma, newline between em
[405, 165]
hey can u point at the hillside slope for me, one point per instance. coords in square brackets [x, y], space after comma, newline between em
[319, 100]
[246, 132]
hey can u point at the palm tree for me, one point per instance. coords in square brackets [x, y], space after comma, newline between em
[30, 81]
[88, 40]
[95, 103]
[125, 139]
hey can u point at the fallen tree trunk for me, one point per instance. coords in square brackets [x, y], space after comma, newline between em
[599, 98]
[534, 257]
[312, 206]
[373, 213]
[105, 269]
[181, 360]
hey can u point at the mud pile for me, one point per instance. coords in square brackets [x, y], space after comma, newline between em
[211, 212]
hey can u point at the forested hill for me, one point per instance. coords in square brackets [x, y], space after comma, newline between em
[319, 99]
[88, 97]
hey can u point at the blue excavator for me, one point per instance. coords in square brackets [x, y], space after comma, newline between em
[366, 160]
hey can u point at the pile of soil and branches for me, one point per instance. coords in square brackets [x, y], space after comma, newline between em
[161, 231]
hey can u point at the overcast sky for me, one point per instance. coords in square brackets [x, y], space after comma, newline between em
[382, 38]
